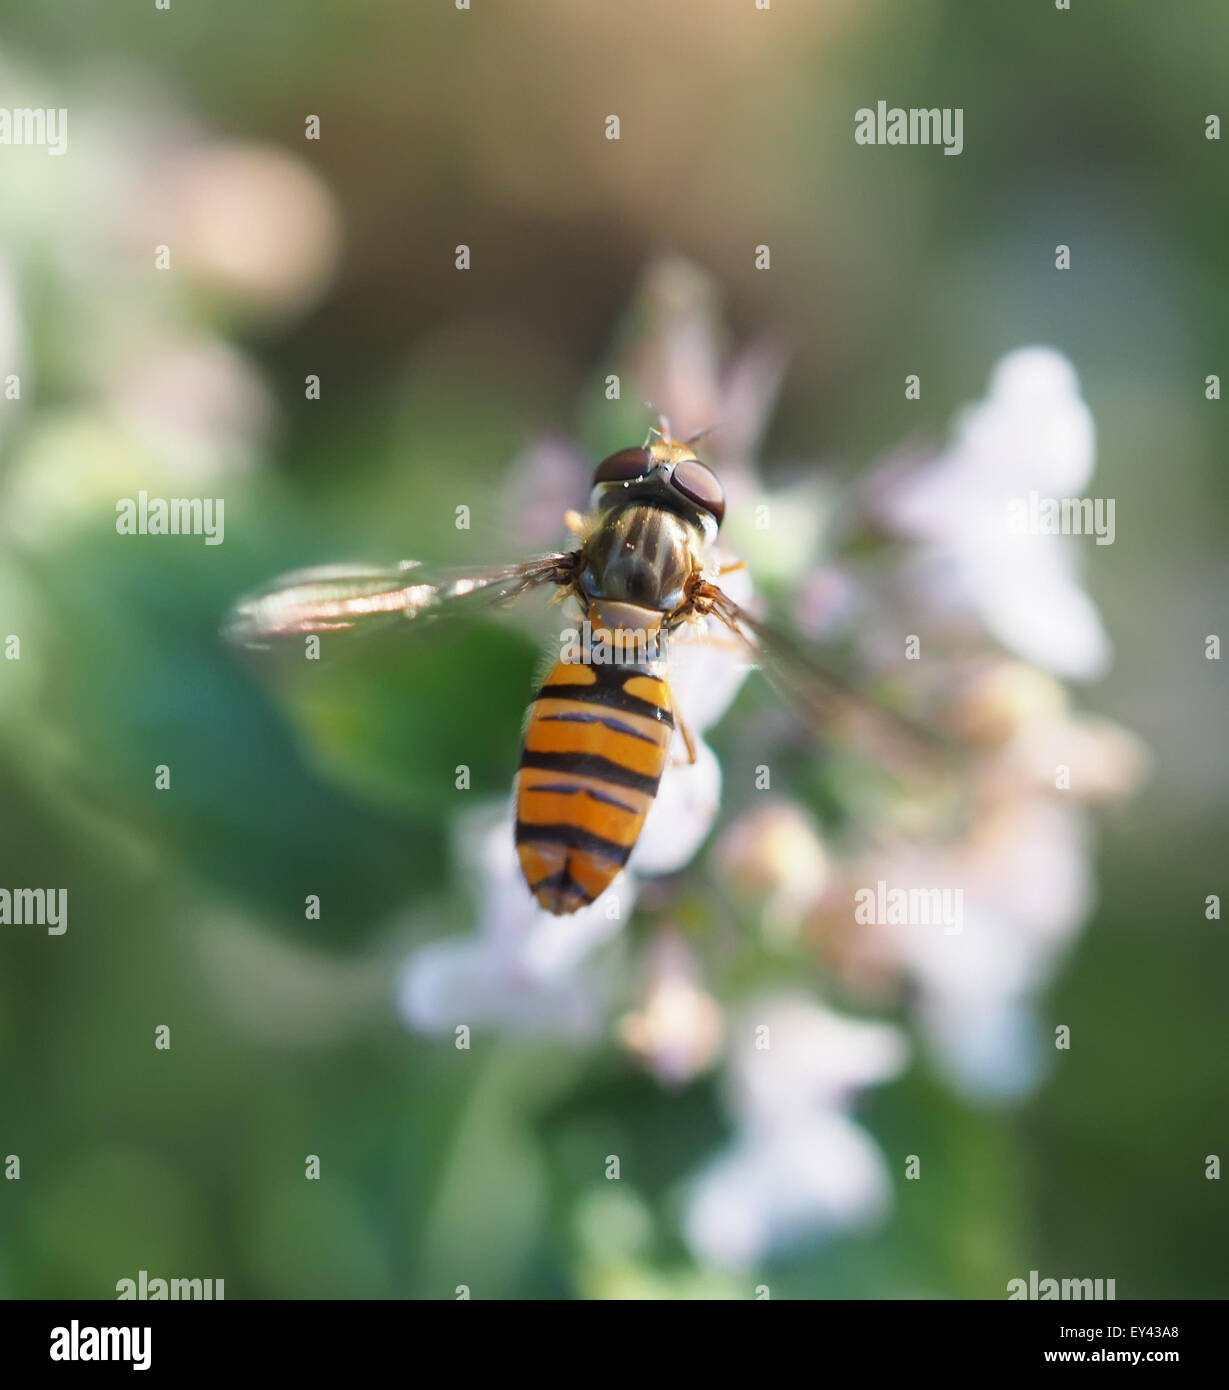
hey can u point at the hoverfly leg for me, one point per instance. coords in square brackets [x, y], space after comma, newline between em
[680, 725]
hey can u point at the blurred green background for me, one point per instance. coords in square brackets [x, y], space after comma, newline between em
[438, 127]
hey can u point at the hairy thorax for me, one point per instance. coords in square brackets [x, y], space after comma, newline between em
[641, 555]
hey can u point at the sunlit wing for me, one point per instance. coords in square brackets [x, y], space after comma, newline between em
[331, 597]
[830, 704]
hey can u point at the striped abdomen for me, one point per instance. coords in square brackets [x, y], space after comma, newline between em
[594, 752]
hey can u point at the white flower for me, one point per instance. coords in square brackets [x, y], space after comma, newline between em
[677, 365]
[774, 853]
[521, 968]
[786, 1186]
[1033, 430]
[543, 482]
[1026, 883]
[799, 1168]
[677, 1030]
[687, 802]
[794, 1054]
[1032, 433]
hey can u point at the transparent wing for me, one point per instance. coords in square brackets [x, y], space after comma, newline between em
[829, 703]
[330, 597]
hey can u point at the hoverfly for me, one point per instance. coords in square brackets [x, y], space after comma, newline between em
[599, 730]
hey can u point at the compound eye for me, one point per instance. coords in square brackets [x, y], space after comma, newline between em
[699, 484]
[624, 467]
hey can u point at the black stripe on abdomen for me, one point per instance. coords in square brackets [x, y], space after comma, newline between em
[564, 883]
[583, 789]
[572, 837]
[591, 765]
[615, 725]
[608, 691]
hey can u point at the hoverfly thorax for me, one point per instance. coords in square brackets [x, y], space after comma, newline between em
[657, 508]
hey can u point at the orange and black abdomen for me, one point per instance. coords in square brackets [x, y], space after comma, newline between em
[595, 749]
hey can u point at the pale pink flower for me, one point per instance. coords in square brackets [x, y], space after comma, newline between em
[677, 1029]
[799, 1168]
[1032, 433]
